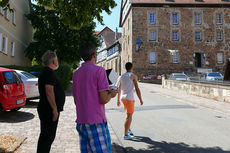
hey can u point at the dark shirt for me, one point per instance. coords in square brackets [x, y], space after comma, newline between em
[49, 77]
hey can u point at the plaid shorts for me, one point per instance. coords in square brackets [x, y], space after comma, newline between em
[94, 138]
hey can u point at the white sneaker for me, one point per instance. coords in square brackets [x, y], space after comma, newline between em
[130, 133]
[128, 137]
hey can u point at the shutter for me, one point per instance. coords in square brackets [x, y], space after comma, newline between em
[6, 46]
[0, 42]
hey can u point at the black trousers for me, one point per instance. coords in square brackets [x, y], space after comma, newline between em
[48, 130]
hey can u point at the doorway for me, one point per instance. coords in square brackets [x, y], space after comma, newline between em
[198, 60]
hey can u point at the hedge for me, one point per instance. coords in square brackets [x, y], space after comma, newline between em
[64, 72]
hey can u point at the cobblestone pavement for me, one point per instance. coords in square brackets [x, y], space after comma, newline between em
[26, 123]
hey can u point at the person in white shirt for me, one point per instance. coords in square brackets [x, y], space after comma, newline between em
[128, 84]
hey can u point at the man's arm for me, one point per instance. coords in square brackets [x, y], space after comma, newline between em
[119, 95]
[137, 89]
[106, 95]
[51, 100]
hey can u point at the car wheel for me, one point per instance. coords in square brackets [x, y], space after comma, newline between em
[15, 109]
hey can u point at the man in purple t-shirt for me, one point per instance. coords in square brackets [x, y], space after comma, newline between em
[91, 92]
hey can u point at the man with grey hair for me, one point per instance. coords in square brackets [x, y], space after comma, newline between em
[52, 99]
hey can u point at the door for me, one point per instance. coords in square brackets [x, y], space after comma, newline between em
[13, 83]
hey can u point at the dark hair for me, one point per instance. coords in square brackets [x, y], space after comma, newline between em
[227, 71]
[128, 66]
[87, 51]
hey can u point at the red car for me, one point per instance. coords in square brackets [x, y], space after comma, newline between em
[12, 91]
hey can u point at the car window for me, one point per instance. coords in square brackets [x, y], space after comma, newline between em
[214, 74]
[180, 76]
[28, 75]
[11, 77]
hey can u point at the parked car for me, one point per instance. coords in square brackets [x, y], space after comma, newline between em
[12, 91]
[212, 76]
[179, 77]
[31, 84]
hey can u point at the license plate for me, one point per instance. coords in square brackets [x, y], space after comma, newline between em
[20, 101]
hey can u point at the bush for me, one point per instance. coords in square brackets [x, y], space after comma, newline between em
[64, 72]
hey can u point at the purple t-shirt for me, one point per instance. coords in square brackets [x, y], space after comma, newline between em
[88, 81]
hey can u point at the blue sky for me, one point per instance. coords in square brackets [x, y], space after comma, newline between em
[112, 20]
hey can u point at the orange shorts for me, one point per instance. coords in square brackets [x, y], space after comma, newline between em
[128, 105]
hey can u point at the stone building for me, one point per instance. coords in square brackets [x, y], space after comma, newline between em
[109, 49]
[15, 33]
[164, 36]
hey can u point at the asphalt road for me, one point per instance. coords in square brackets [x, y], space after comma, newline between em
[165, 124]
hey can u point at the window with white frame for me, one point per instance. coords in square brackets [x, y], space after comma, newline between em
[175, 57]
[0, 42]
[12, 48]
[6, 13]
[175, 35]
[198, 18]
[1, 11]
[4, 45]
[153, 36]
[198, 36]
[219, 35]
[14, 17]
[175, 18]
[152, 18]
[152, 57]
[220, 58]
[219, 18]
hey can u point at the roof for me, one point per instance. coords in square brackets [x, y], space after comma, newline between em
[109, 36]
[96, 32]
[182, 1]
[4, 69]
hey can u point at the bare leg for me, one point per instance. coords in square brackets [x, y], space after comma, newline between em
[128, 121]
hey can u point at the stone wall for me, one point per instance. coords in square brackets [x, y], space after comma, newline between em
[216, 92]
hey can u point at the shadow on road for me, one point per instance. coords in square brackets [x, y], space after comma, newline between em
[165, 147]
[15, 117]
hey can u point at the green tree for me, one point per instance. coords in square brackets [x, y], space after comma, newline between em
[76, 13]
[51, 34]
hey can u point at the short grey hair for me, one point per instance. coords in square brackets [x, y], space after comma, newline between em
[48, 57]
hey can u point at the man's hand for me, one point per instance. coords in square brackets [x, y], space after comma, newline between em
[141, 102]
[118, 103]
[55, 115]
[113, 93]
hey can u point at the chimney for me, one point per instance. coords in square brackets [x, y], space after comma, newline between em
[116, 36]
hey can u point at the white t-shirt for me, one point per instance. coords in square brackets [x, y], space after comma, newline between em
[127, 86]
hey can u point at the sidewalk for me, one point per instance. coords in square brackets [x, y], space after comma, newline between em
[191, 99]
[25, 123]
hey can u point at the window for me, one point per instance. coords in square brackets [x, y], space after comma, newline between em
[6, 14]
[220, 58]
[1, 11]
[13, 17]
[198, 18]
[128, 24]
[1, 42]
[152, 19]
[152, 57]
[4, 44]
[219, 35]
[174, 18]
[198, 36]
[175, 35]
[152, 36]
[10, 77]
[219, 18]
[175, 57]
[12, 48]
